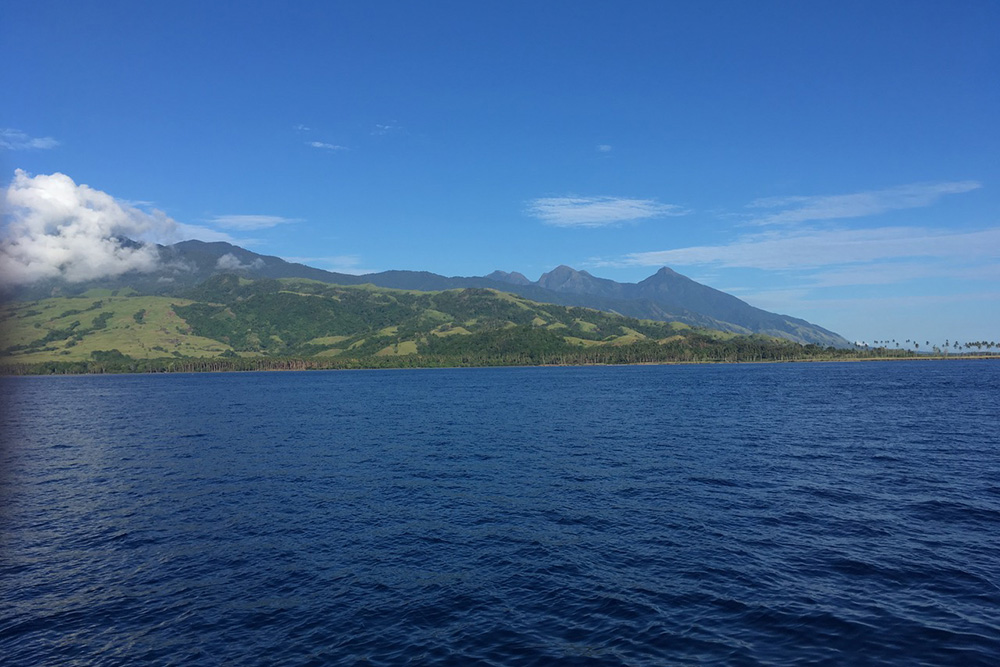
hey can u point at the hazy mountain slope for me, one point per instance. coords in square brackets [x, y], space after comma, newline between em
[682, 298]
[676, 291]
[665, 296]
[184, 265]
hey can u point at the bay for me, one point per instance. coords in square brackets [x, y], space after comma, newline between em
[783, 514]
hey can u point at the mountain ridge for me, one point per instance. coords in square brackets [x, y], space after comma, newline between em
[665, 296]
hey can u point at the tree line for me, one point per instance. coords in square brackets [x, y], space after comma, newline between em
[497, 352]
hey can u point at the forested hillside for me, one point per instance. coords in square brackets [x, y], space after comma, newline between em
[238, 323]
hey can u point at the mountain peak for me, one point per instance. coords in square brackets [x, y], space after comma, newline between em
[512, 277]
[564, 278]
[562, 270]
[664, 275]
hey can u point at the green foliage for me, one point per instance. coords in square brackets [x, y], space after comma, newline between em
[229, 323]
[109, 356]
[101, 321]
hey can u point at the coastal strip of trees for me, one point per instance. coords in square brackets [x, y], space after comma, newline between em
[544, 352]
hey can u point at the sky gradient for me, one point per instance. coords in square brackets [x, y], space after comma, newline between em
[835, 161]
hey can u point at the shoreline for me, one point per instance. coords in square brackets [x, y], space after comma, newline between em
[5, 370]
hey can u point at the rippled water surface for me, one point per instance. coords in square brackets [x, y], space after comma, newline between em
[755, 514]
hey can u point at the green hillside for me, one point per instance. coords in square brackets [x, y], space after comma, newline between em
[70, 329]
[666, 296]
[229, 319]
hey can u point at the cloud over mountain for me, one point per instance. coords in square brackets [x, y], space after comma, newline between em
[55, 228]
[230, 262]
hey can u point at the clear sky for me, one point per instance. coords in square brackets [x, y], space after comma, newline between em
[836, 161]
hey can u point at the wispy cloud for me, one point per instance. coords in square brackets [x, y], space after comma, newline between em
[184, 231]
[301, 128]
[382, 129]
[804, 300]
[350, 264]
[893, 272]
[796, 209]
[325, 146]
[603, 148]
[823, 248]
[598, 211]
[250, 222]
[16, 140]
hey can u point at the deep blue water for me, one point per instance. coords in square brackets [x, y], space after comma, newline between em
[751, 514]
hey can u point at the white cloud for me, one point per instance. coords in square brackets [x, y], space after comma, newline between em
[250, 222]
[230, 262]
[325, 146]
[820, 248]
[598, 211]
[302, 128]
[830, 207]
[56, 228]
[603, 148]
[15, 140]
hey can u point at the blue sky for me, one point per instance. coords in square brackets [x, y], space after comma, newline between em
[836, 161]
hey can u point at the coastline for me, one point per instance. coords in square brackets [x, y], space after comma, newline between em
[42, 369]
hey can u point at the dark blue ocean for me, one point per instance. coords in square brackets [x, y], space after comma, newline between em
[795, 514]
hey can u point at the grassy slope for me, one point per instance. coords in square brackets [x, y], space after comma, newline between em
[159, 332]
[302, 318]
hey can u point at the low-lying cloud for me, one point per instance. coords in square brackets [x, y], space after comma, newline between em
[230, 262]
[53, 227]
[58, 229]
[598, 211]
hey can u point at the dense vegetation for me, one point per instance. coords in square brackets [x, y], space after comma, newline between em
[664, 297]
[229, 323]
